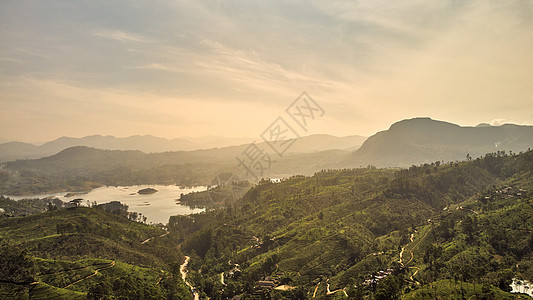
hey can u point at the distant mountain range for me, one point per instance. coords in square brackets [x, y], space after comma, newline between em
[150, 144]
[423, 140]
[145, 143]
[405, 143]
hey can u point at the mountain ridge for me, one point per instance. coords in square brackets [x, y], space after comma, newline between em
[424, 140]
[406, 143]
[151, 144]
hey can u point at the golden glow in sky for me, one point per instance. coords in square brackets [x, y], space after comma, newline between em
[194, 68]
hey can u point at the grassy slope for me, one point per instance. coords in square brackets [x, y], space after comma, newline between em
[94, 240]
[344, 225]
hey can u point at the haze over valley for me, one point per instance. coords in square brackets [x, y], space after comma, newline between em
[266, 149]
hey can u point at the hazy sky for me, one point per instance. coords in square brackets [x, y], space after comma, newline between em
[194, 68]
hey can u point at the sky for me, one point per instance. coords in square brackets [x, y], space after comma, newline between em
[231, 68]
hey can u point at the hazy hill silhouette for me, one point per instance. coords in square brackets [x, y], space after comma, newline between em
[151, 144]
[423, 140]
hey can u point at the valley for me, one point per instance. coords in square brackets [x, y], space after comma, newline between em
[416, 234]
[266, 150]
[439, 229]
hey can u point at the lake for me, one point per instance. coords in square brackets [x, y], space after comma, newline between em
[157, 207]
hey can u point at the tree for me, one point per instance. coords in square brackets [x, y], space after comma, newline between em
[444, 230]
[505, 278]
[17, 271]
[51, 207]
[431, 255]
[469, 227]
[100, 290]
[133, 216]
[389, 288]
[76, 202]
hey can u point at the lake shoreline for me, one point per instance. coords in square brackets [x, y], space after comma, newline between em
[73, 193]
[157, 206]
[91, 186]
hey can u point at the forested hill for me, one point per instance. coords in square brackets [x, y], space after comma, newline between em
[81, 168]
[16, 150]
[87, 253]
[406, 143]
[455, 230]
[423, 140]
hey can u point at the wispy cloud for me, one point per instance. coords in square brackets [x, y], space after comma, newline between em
[369, 62]
[121, 36]
[155, 66]
[251, 70]
[12, 60]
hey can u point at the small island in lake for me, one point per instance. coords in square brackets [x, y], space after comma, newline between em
[147, 191]
[72, 194]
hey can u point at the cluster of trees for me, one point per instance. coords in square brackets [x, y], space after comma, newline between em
[18, 272]
[470, 223]
[346, 225]
[221, 195]
[133, 287]
[75, 236]
[25, 207]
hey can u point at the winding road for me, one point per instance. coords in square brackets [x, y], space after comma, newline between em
[339, 290]
[412, 255]
[149, 239]
[328, 292]
[112, 264]
[316, 289]
[411, 277]
[183, 271]
[401, 255]
[222, 278]
[416, 245]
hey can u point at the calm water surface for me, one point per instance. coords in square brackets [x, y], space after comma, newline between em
[157, 207]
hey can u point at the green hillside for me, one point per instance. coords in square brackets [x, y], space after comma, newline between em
[434, 231]
[341, 232]
[80, 253]
[83, 168]
[423, 140]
